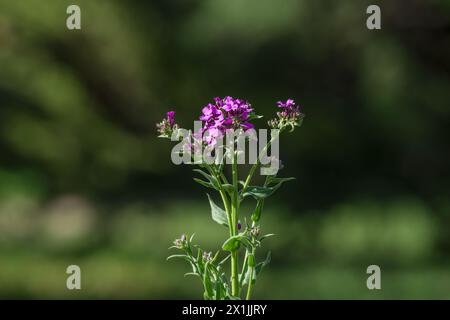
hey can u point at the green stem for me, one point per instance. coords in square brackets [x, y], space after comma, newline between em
[255, 165]
[234, 215]
[234, 274]
[231, 215]
[252, 273]
[225, 180]
[226, 204]
[250, 284]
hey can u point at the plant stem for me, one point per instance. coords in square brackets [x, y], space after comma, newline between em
[223, 195]
[234, 214]
[250, 284]
[234, 274]
[255, 165]
[252, 272]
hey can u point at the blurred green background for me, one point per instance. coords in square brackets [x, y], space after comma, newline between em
[85, 181]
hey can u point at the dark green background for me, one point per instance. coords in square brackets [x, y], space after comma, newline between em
[84, 180]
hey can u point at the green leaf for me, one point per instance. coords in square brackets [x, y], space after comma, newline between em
[258, 192]
[246, 242]
[256, 215]
[257, 270]
[200, 260]
[228, 188]
[248, 273]
[224, 260]
[266, 236]
[247, 276]
[214, 259]
[251, 260]
[204, 183]
[219, 292]
[253, 115]
[243, 273]
[180, 256]
[191, 274]
[212, 180]
[232, 243]
[207, 282]
[276, 180]
[218, 214]
[262, 192]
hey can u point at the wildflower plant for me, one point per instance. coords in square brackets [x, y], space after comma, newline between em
[230, 118]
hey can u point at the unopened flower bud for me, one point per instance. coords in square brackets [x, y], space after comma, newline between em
[181, 243]
[207, 256]
[289, 116]
[255, 231]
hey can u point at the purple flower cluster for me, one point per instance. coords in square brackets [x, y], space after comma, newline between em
[225, 114]
[229, 113]
[289, 115]
[288, 105]
[167, 126]
[170, 118]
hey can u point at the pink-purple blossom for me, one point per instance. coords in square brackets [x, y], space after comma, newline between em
[289, 115]
[224, 114]
[167, 126]
[170, 117]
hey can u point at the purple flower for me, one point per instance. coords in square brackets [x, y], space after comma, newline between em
[167, 126]
[224, 114]
[290, 103]
[289, 116]
[170, 116]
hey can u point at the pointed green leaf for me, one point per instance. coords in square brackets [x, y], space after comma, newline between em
[256, 215]
[191, 274]
[243, 273]
[262, 192]
[204, 183]
[218, 214]
[224, 260]
[232, 243]
[258, 192]
[181, 256]
[257, 270]
[251, 260]
[266, 236]
[228, 188]
[207, 282]
[276, 180]
[213, 180]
